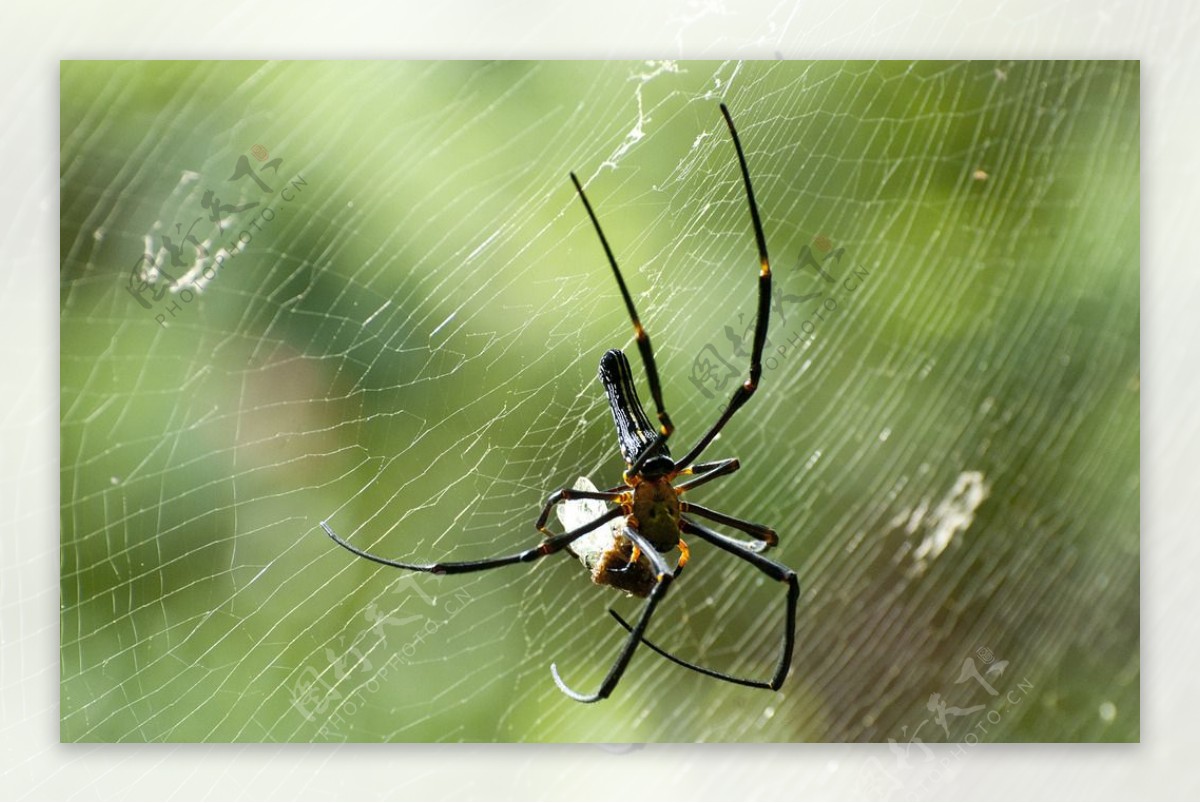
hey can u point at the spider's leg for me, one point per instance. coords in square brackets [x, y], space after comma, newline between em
[664, 576]
[743, 392]
[707, 472]
[567, 494]
[766, 537]
[775, 571]
[643, 340]
[548, 546]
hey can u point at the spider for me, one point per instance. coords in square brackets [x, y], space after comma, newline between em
[625, 547]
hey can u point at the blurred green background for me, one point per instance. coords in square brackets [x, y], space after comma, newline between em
[366, 292]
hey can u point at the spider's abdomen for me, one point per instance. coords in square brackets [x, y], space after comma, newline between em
[634, 431]
[656, 513]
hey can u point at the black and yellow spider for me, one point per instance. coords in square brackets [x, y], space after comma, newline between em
[632, 557]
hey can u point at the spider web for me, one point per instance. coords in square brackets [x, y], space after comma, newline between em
[945, 436]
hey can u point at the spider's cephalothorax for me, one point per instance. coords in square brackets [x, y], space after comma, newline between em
[625, 546]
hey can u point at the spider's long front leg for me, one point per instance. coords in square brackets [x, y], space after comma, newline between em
[548, 546]
[664, 576]
[776, 571]
[643, 342]
[743, 392]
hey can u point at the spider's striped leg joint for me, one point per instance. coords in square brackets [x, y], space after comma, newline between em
[684, 555]
[666, 427]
